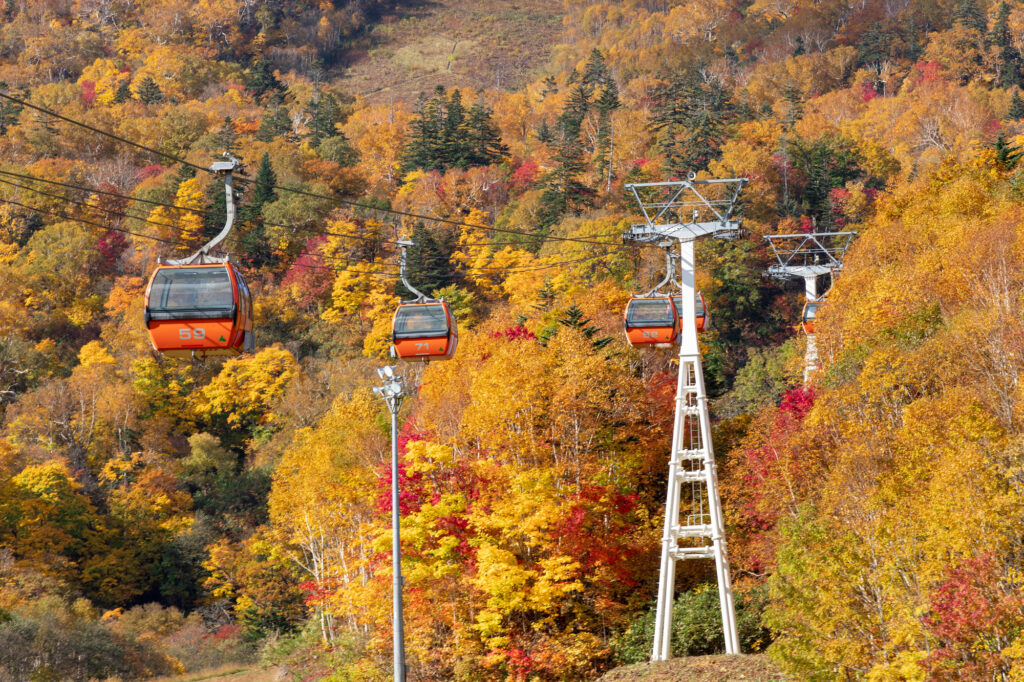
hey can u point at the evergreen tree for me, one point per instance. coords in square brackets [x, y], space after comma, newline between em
[1010, 67]
[339, 150]
[275, 122]
[798, 49]
[9, 111]
[454, 151]
[444, 135]
[912, 41]
[564, 191]
[690, 118]
[577, 106]
[607, 102]
[429, 265]
[148, 91]
[969, 15]
[875, 45]
[226, 139]
[573, 319]
[424, 135]
[595, 71]
[550, 86]
[1007, 155]
[483, 137]
[254, 239]
[545, 297]
[184, 173]
[544, 133]
[795, 110]
[1016, 111]
[324, 113]
[260, 79]
[828, 162]
[123, 93]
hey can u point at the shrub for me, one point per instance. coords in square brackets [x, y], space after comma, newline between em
[696, 626]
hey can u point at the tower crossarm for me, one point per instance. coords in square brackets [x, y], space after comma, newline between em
[808, 255]
[686, 209]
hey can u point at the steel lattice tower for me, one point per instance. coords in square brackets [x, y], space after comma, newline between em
[809, 257]
[686, 211]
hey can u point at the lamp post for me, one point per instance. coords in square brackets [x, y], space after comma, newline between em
[392, 392]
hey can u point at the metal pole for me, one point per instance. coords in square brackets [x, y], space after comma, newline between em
[396, 551]
[392, 393]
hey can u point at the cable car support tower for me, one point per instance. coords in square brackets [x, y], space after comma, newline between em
[809, 257]
[685, 211]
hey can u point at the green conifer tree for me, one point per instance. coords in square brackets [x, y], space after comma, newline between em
[226, 138]
[874, 45]
[1007, 155]
[967, 13]
[573, 318]
[595, 71]
[454, 151]
[276, 121]
[1009, 58]
[1016, 111]
[123, 93]
[690, 118]
[564, 191]
[483, 139]
[148, 91]
[324, 113]
[9, 111]
[260, 79]
[544, 133]
[254, 239]
[424, 135]
[429, 265]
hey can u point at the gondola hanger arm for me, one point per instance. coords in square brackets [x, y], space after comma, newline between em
[403, 244]
[228, 168]
[670, 269]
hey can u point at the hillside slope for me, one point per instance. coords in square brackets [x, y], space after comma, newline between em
[456, 43]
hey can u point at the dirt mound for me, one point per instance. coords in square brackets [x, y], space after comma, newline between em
[701, 669]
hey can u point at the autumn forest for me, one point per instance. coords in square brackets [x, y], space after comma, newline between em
[166, 516]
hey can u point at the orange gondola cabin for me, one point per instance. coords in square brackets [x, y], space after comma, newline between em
[651, 321]
[810, 314]
[423, 331]
[701, 318]
[199, 311]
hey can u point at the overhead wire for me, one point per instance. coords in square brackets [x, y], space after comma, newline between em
[339, 200]
[389, 273]
[144, 219]
[200, 211]
[174, 242]
[56, 214]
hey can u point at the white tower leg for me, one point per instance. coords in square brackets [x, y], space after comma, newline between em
[692, 464]
[811, 354]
